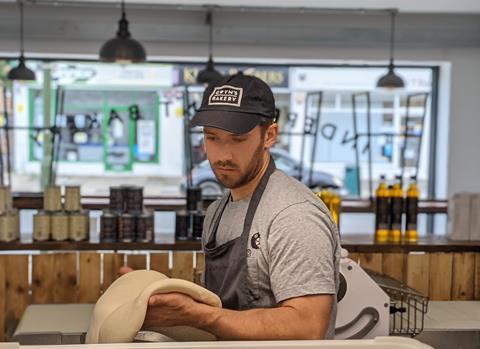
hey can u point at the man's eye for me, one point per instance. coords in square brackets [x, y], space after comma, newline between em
[238, 140]
[210, 138]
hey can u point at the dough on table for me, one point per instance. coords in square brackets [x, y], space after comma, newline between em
[119, 313]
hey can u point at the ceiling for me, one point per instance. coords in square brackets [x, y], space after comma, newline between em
[407, 6]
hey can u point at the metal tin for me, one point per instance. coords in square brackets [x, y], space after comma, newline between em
[108, 226]
[79, 226]
[52, 199]
[126, 228]
[182, 225]
[5, 199]
[194, 199]
[72, 198]
[59, 226]
[41, 226]
[134, 199]
[117, 199]
[144, 227]
[9, 226]
[197, 224]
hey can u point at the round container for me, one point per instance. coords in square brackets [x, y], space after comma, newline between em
[144, 227]
[52, 199]
[108, 226]
[5, 199]
[134, 202]
[197, 224]
[117, 199]
[79, 226]
[182, 224]
[59, 226]
[9, 227]
[72, 199]
[194, 199]
[41, 226]
[126, 227]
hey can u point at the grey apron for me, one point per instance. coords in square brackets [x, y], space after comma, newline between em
[226, 265]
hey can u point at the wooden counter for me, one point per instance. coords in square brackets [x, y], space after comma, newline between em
[363, 243]
[67, 272]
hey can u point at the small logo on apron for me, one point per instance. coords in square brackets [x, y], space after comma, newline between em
[255, 241]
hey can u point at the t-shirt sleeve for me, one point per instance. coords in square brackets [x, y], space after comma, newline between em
[302, 247]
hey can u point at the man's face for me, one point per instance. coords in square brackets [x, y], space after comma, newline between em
[235, 159]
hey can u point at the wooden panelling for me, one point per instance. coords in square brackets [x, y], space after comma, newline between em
[159, 262]
[371, 261]
[54, 278]
[463, 276]
[394, 265]
[199, 268]
[354, 256]
[182, 266]
[112, 262]
[200, 262]
[440, 283]
[477, 276]
[2, 299]
[89, 288]
[17, 295]
[418, 267]
[137, 261]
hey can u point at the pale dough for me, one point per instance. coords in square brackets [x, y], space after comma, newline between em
[120, 311]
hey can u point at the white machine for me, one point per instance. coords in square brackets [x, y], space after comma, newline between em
[363, 309]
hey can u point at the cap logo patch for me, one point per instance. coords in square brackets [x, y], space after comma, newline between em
[226, 95]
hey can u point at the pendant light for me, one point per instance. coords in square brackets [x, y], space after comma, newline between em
[209, 74]
[122, 48]
[391, 80]
[21, 72]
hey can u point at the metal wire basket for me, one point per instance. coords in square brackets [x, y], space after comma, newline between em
[407, 306]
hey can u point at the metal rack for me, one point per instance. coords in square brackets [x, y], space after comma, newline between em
[407, 306]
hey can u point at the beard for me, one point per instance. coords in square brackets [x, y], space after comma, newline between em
[238, 178]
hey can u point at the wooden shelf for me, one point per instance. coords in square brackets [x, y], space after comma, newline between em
[176, 203]
[353, 243]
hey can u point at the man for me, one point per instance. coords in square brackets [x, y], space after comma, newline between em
[271, 247]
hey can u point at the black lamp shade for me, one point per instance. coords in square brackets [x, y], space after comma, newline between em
[120, 49]
[209, 74]
[21, 72]
[123, 48]
[390, 80]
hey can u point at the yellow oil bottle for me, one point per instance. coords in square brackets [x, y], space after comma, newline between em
[382, 211]
[413, 193]
[396, 211]
[335, 207]
[333, 201]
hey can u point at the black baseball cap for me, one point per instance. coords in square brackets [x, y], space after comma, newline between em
[236, 103]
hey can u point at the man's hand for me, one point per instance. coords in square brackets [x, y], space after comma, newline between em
[125, 269]
[174, 309]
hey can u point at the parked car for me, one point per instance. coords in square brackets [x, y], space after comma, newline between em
[203, 176]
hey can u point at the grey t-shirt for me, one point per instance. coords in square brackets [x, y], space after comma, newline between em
[293, 248]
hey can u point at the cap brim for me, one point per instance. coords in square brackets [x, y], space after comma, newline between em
[230, 121]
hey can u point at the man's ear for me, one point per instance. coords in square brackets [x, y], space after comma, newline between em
[271, 135]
